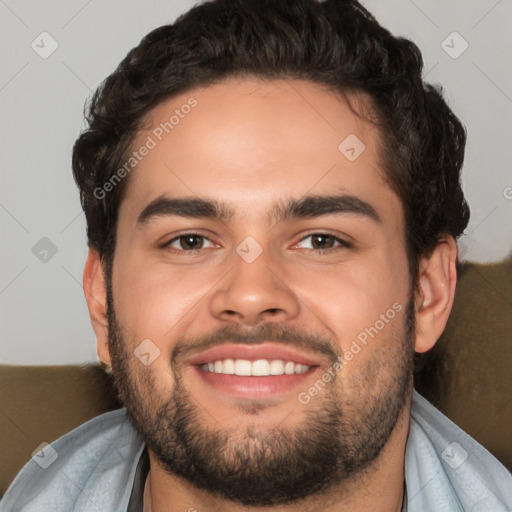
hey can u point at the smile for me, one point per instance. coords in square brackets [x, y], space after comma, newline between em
[258, 368]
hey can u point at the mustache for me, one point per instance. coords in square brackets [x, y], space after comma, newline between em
[285, 335]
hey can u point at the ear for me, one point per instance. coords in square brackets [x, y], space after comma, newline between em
[434, 301]
[96, 296]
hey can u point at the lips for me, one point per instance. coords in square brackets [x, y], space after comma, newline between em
[246, 384]
[252, 388]
[267, 350]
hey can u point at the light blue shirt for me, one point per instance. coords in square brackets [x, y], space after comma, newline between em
[92, 469]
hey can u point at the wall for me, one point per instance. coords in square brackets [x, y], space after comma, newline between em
[44, 319]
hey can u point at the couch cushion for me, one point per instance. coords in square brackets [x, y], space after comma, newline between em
[469, 371]
[41, 403]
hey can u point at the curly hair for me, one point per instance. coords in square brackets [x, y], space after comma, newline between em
[336, 43]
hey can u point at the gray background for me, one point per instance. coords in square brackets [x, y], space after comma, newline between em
[44, 318]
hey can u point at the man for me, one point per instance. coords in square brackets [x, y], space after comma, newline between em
[272, 197]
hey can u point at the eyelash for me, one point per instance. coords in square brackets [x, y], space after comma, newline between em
[343, 244]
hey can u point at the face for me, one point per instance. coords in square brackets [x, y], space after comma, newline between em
[259, 228]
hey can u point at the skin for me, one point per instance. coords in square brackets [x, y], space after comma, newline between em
[251, 144]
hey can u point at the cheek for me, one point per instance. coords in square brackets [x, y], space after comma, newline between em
[364, 298]
[151, 305]
[157, 303]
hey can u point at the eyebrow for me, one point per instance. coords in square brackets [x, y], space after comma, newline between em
[306, 207]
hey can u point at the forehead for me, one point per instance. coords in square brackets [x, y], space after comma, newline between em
[252, 143]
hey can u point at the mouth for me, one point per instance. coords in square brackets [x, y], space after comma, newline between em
[254, 386]
[258, 368]
[253, 372]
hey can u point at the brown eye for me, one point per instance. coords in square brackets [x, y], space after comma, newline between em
[187, 242]
[323, 241]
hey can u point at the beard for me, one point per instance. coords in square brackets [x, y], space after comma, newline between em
[340, 438]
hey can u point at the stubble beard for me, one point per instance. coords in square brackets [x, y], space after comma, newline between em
[340, 438]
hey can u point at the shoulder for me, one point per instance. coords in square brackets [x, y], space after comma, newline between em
[86, 469]
[447, 469]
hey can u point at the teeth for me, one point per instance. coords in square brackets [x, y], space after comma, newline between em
[258, 368]
[261, 367]
[289, 368]
[243, 367]
[227, 366]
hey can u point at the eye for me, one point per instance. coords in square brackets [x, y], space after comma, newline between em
[188, 242]
[323, 242]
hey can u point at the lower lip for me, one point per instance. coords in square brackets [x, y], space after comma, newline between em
[254, 387]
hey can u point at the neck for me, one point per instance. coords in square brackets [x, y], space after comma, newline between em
[379, 487]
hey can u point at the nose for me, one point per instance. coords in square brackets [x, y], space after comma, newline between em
[253, 293]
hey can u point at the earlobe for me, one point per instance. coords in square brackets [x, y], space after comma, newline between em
[437, 283]
[96, 296]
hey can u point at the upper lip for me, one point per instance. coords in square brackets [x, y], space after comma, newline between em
[265, 350]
